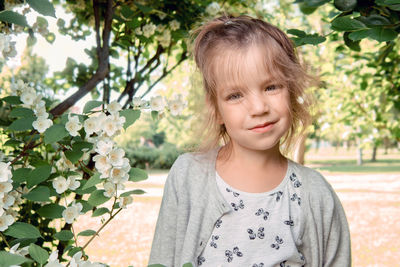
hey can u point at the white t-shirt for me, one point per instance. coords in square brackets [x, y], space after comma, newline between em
[262, 230]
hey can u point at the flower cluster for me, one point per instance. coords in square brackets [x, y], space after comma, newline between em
[164, 37]
[30, 99]
[9, 198]
[7, 47]
[159, 104]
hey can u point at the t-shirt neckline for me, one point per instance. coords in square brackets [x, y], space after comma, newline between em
[279, 187]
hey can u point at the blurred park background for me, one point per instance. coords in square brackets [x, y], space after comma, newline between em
[130, 50]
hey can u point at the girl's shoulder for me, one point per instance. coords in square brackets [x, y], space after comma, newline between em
[314, 184]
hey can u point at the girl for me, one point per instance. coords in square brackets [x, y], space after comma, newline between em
[245, 204]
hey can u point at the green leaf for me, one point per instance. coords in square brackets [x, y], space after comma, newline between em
[145, 9]
[95, 179]
[81, 191]
[86, 206]
[97, 198]
[13, 17]
[382, 34]
[22, 230]
[38, 254]
[188, 264]
[21, 175]
[156, 265]
[12, 143]
[136, 192]
[297, 32]
[347, 24]
[73, 251]
[358, 35]
[154, 115]
[131, 115]
[23, 124]
[44, 7]
[80, 145]
[313, 39]
[73, 155]
[21, 112]
[51, 211]
[91, 105]
[136, 175]
[353, 45]
[87, 233]
[55, 133]
[64, 235]
[100, 211]
[13, 100]
[38, 175]
[39, 194]
[8, 259]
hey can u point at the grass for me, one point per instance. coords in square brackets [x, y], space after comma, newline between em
[343, 160]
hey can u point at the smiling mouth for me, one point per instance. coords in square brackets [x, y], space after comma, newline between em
[262, 128]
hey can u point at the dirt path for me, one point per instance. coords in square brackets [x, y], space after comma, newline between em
[371, 202]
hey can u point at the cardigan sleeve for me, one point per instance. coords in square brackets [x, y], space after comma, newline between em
[326, 238]
[163, 246]
[337, 236]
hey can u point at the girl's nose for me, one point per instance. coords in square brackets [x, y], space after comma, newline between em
[258, 104]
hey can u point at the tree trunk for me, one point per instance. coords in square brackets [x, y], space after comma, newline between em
[373, 159]
[359, 156]
[300, 150]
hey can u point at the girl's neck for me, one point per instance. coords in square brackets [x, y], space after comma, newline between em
[251, 159]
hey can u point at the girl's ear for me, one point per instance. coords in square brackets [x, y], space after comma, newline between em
[212, 107]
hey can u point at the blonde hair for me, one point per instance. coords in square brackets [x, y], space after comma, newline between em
[229, 33]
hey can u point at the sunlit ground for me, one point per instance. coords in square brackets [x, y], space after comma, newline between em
[370, 198]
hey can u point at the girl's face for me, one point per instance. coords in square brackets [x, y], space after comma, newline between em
[254, 107]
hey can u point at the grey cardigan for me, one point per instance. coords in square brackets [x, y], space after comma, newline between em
[192, 204]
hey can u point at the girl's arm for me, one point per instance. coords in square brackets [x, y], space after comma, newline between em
[163, 246]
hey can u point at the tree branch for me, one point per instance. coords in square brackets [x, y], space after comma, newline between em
[103, 68]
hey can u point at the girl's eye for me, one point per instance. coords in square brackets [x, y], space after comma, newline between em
[271, 88]
[234, 96]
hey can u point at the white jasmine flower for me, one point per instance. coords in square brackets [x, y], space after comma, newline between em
[300, 100]
[119, 120]
[19, 86]
[72, 212]
[176, 105]
[125, 201]
[22, 251]
[174, 25]
[53, 261]
[103, 147]
[149, 29]
[28, 97]
[213, 8]
[41, 112]
[116, 157]
[165, 38]
[7, 201]
[101, 118]
[5, 172]
[114, 107]
[162, 15]
[5, 220]
[7, 47]
[73, 125]
[157, 103]
[60, 184]
[73, 183]
[91, 125]
[125, 165]
[109, 126]
[138, 31]
[138, 102]
[64, 164]
[5, 187]
[102, 164]
[109, 189]
[160, 27]
[118, 175]
[42, 124]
